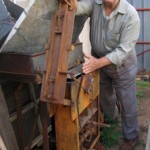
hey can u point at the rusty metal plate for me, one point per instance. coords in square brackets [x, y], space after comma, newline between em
[87, 94]
[54, 81]
[21, 67]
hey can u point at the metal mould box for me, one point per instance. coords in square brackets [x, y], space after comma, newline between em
[30, 67]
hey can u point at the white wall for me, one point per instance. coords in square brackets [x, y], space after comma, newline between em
[22, 3]
[84, 37]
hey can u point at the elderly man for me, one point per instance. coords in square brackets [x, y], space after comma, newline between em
[115, 27]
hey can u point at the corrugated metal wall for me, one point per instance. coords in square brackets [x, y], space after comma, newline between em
[143, 60]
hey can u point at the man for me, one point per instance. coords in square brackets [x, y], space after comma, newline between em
[114, 31]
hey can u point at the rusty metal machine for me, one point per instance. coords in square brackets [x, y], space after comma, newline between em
[71, 97]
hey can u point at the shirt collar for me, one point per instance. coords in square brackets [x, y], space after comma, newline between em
[98, 1]
[121, 8]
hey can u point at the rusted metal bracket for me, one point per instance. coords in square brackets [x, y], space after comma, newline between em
[54, 79]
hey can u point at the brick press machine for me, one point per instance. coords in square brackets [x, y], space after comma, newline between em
[71, 98]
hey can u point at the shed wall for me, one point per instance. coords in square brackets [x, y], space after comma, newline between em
[143, 60]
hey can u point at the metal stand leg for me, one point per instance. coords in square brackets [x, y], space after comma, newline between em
[43, 114]
[19, 117]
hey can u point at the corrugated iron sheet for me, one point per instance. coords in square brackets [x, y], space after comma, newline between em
[143, 60]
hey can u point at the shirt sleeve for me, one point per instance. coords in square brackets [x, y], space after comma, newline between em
[128, 39]
[84, 7]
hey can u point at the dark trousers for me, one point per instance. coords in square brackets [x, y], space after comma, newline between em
[119, 84]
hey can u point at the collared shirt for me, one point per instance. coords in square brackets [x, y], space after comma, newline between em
[113, 36]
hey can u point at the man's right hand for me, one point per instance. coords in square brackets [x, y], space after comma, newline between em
[76, 5]
[72, 3]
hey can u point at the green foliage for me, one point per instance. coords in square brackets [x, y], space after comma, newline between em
[140, 94]
[110, 136]
[143, 84]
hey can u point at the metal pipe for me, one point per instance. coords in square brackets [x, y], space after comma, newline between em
[143, 52]
[24, 110]
[143, 42]
[86, 134]
[143, 9]
[99, 124]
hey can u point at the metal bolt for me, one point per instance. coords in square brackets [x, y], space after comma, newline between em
[48, 96]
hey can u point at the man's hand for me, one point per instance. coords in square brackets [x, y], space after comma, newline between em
[72, 3]
[91, 64]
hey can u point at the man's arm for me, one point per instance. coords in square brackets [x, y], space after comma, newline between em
[84, 7]
[128, 39]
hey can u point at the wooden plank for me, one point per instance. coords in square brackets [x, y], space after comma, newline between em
[67, 134]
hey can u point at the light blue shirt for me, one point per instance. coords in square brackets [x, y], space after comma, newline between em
[113, 36]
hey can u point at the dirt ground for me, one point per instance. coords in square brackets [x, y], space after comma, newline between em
[143, 100]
